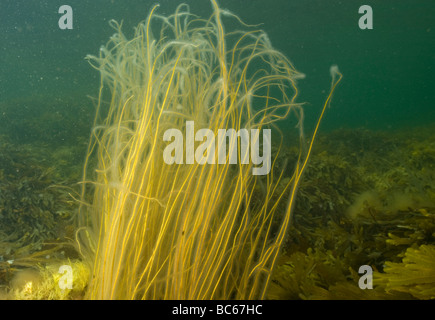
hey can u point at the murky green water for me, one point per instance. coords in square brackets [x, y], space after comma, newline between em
[388, 71]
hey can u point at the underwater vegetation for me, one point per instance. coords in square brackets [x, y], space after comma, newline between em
[366, 223]
[200, 231]
[38, 181]
[367, 199]
[414, 275]
[44, 282]
[32, 204]
[36, 212]
[151, 230]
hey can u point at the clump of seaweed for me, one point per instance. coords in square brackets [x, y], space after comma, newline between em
[414, 275]
[325, 188]
[153, 231]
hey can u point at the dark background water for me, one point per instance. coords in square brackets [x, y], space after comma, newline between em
[388, 71]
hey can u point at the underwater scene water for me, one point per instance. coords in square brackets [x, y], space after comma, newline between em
[199, 149]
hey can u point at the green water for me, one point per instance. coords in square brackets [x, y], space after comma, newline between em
[388, 71]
